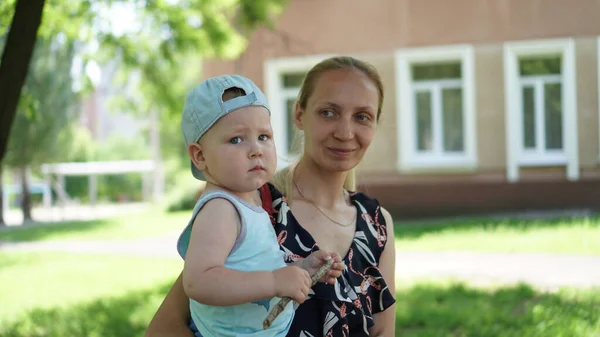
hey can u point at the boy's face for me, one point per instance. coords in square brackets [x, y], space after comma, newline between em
[238, 151]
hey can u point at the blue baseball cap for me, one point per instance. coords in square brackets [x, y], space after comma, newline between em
[204, 106]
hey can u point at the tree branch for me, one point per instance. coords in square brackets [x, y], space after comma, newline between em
[16, 57]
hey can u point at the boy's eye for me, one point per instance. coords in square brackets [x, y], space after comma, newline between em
[262, 138]
[235, 140]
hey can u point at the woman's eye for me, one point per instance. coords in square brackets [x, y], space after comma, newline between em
[235, 140]
[326, 113]
[363, 118]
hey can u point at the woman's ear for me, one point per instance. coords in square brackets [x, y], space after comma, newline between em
[298, 115]
[197, 156]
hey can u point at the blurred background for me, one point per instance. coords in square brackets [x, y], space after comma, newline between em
[487, 154]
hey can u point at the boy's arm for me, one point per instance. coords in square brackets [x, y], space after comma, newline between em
[205, 279]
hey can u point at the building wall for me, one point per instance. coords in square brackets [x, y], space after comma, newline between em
[375, 32]
[587, 99]
[309, 27]
[382, 155]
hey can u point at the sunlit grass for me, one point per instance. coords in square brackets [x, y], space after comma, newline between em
[59, 280]
[56, 295]
[569, 236]
[152, 223]
[455, 309]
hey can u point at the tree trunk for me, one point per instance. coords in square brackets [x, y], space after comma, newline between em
[16, 57]
[2, 223]
[25, 195]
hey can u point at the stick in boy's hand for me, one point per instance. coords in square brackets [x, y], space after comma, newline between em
[278, 308]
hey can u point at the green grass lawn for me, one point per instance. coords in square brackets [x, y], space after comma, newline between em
[90, 295]
[134, 226]
[57, 295]
[571, 236]
[49, 280]
[456, 310]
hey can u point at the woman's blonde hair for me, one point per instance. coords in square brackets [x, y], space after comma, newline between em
[283, 179]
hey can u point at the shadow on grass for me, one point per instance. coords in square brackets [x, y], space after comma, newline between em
[415, 229]
[422, 311]
[41, 231]
[457, 311]
[127, 315]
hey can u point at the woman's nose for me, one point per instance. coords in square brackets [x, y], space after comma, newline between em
[344, 130]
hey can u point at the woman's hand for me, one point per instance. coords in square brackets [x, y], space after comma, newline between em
[320, 257]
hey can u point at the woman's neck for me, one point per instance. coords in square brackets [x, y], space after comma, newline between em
[324, 188]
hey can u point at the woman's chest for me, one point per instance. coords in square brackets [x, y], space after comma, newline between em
[327, 235]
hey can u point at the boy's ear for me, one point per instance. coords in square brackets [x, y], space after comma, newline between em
[197, 156]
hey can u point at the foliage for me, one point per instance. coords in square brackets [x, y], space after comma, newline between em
[162, 39]
[184, 193]
[46, 107]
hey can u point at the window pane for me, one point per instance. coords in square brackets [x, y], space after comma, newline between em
[528, 118]
[553, 116]
[436, 71]
[293, 136]
[292, 80]
[424, 121]
[452, 119]
[539, 65]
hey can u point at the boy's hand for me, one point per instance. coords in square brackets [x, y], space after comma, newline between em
[320, 257]
[293, 282]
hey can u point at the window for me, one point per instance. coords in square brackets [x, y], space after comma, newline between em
[540, 106]
[289, 94]
[541, 112]
[283, 79]
[435, 89]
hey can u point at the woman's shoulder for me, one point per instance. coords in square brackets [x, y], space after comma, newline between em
[366, 200]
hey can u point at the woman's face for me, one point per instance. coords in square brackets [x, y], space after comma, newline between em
[340, 119]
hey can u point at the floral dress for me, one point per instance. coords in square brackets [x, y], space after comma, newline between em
[346, 308]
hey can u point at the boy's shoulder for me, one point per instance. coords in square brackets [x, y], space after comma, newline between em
[213, 203]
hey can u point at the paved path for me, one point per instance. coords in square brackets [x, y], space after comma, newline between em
[542, 270]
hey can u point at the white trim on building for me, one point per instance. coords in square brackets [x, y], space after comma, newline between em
[598, 79]
[409, 157]
[516, 155]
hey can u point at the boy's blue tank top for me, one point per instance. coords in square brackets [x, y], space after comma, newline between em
[256, 248]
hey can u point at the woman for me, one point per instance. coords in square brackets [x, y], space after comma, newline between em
[313, 207]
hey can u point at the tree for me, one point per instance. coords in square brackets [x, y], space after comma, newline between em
[2, 223]
[45, 110]
[15, 60]
[164, 31]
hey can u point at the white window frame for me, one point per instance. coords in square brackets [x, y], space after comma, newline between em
[273, 70]
[516, 155]
[598, 79]
[409, 159]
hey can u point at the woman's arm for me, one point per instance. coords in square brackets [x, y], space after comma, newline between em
[173, 316]
[385, 321]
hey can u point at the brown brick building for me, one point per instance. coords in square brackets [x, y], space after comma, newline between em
[491, 105]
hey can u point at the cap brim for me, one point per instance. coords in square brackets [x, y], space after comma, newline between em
[197, 173]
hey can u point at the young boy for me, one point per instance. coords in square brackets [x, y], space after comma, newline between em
[234, 271]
